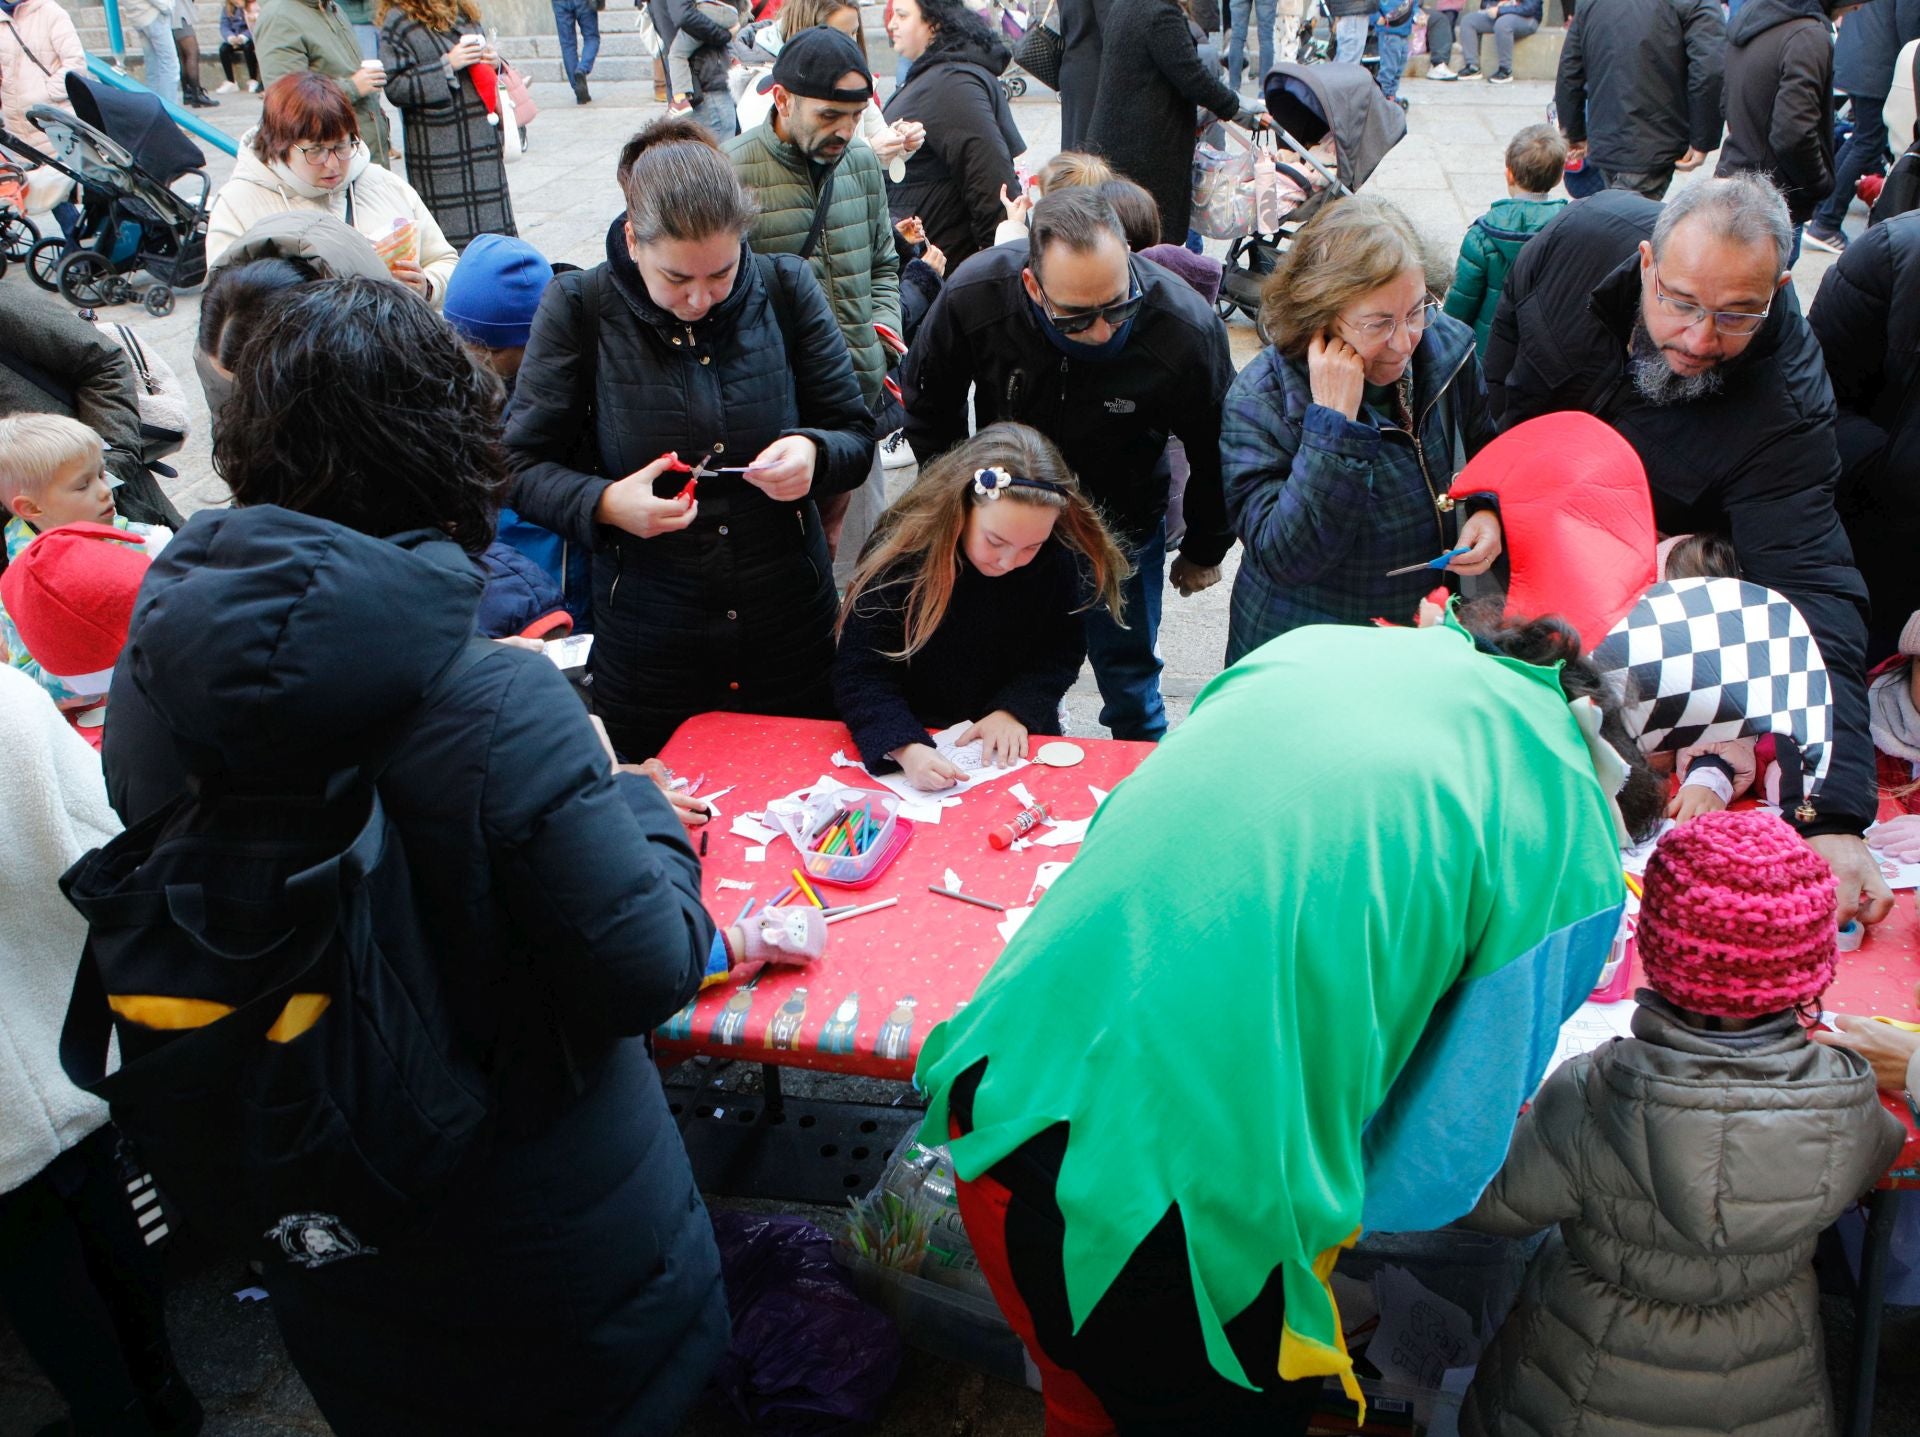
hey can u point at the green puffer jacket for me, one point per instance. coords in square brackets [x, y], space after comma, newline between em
[296, 35]
[855, 260]
[1492, 245]
[1689, 1173]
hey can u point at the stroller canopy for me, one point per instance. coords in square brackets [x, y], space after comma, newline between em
[137, 122]
[1308, 101]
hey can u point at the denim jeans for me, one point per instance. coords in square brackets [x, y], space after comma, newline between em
[567, 14]
[1244, 11]
[1505, 30]
[369, 38]
[1126, 662]
[715, 110]
[1350, 38]
[1393, 63]
[1859, 155]
[162, 72]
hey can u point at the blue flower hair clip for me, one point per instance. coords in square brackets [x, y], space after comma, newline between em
[991, 483]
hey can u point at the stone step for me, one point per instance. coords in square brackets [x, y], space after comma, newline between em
[1537, 57]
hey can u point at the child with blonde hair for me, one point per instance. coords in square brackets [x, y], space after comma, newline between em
[53, 472]
[1690, 1168]
[1070, 169]
[966, 605]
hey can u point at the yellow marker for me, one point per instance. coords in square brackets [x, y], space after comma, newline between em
[1633, 886]
[812, 897]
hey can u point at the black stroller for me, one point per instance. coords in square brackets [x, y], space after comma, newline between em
[126, 154]
[1308, 103]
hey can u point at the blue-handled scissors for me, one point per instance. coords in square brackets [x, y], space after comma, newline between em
[1439, 563]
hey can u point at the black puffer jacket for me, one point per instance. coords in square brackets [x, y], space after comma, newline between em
[1779, 98]
[574, 1265]
[953, 180]
[1151, 82]
[1869, 328]
[737, 611]
[1640, 80]
[1111, 420]
[1868, 47]
[1756, 461]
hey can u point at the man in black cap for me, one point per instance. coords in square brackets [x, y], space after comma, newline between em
[823, 198]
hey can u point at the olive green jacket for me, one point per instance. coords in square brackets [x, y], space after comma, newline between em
[296, 35]
[855, 260]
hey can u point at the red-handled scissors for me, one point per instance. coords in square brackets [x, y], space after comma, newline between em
[703, 470]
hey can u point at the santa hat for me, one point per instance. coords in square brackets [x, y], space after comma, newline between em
[70, 594]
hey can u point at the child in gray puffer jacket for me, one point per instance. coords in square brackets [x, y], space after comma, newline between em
[1690, 1169]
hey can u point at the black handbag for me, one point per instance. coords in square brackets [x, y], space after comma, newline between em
[1040, 50]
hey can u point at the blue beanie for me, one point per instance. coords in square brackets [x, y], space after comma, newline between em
[494, 291]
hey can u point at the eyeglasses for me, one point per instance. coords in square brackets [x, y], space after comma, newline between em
[1736, 322]
[320, 154]
[1083, 320]
[1373, 331]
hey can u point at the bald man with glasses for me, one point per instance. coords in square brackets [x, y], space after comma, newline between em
[1677, 325]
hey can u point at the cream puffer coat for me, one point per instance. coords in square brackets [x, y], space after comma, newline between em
[53, 808]
[1689, 1174]
[377, 197]
[38, 45]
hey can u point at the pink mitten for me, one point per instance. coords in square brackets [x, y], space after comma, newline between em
[783, 935]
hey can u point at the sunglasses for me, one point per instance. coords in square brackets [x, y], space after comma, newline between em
[1080, 321]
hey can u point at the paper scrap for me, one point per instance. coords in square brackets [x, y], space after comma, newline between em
[259, 1294]
[739, 884]
[757, 853]
[919, 812]
[1023, 793]
[1898, 874]
[746, 828]
[1010, 925]
[840, 760]
[1043, 879]
[1421, 1335]
[952, 881]
[708, 798]
[1064, 833]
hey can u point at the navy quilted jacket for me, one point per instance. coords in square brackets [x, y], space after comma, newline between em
[1326, 506]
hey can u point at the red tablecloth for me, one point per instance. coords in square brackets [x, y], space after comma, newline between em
[887, 977]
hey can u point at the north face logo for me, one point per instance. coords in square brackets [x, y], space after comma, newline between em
[314, 1239]
[1119, 406]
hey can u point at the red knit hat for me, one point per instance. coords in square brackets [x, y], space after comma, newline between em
[71, 597]
[1738, 919]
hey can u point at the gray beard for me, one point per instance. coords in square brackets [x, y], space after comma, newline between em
[1655, 381]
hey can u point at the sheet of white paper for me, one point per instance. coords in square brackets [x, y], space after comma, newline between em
[753, 832]
[1898, 875]
[1421, 1335]
[1063, 834]
[1043, 878]
[1010, 925]
[1446, 1415]
[1592, 1025]
[952, 880]
[967, 760]
[757, 853]
[919, 812]
[739, 884]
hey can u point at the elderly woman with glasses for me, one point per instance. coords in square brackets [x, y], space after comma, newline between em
[306, 154]
[1341, 437]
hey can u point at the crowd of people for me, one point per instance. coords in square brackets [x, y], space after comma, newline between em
[443, 448]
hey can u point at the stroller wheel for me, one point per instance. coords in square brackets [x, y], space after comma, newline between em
[18, 235]
[87, 280]
[1015, 86]
[43, 259]
[159, 301]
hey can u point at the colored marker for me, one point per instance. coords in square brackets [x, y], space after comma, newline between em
[966, 898]
[868, 908]
[806, 888]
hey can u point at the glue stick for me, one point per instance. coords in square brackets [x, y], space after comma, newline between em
[1019, 827]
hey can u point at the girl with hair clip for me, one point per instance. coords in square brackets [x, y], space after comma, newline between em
[967, 603]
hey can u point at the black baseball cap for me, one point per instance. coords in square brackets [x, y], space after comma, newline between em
[813, 62]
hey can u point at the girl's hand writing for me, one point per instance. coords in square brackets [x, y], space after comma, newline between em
[1003, 738]
[784, 469]
[925, 768]
[630, 504]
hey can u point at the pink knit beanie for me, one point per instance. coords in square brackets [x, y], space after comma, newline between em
[1738, 919]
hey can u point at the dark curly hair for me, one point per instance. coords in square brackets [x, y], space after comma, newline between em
[353, 401]
[953, 24]
[1550, 641]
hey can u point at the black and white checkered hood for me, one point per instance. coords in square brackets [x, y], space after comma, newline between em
[1712, 659]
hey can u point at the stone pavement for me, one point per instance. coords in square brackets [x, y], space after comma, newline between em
[1444, 174]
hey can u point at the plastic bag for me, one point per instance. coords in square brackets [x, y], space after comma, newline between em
[1240, 192]
[808, 1356]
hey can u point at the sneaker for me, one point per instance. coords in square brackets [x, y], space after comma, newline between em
[1831, 241]
[255, 88]
[1468, 72]
[580, 93]
[227, 87]
[680, 105]
[1401, 101]
[1500, 77]
[895, 452]
[1441, 72]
